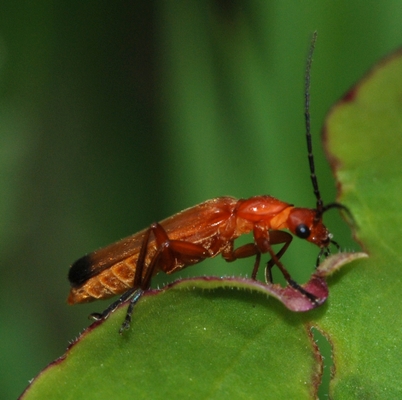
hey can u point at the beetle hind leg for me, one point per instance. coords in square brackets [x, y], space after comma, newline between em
[136, 295]
[135, 292]
[122, 299]
[169, 253]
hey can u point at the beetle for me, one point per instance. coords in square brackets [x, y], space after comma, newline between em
[204, 231]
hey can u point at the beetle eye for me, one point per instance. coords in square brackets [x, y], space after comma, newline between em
[302, 231]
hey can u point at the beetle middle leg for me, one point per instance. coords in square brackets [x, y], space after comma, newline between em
[277, 237]
[262, 238]
[253, 249]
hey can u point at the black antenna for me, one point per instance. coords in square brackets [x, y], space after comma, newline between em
[313, 176]
[320, 205]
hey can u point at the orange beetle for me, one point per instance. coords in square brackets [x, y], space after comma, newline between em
[203, 231]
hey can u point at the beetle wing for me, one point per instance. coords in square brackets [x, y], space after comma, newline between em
[195, 224]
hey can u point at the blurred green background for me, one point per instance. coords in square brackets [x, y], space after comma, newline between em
[116, 114]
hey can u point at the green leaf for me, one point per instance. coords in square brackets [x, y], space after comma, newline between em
[200, 338]
[363, 320]
[197, 343]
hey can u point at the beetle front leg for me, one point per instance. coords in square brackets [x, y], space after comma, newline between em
[262, 240]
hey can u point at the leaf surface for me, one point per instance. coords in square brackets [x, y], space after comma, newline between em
[189, 342]
[364, 138]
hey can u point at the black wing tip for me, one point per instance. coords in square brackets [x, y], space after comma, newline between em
[80, 271]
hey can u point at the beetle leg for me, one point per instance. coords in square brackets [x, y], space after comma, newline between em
[126, 296]
[134, 293]
[277, 237]
[247, 250]
[262, 240]
[142, 283]
[167, 253]
[251, 249]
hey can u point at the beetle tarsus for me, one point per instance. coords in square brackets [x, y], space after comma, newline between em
[136, 295]
[95, 316]
[125, 326]
[310, 296]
